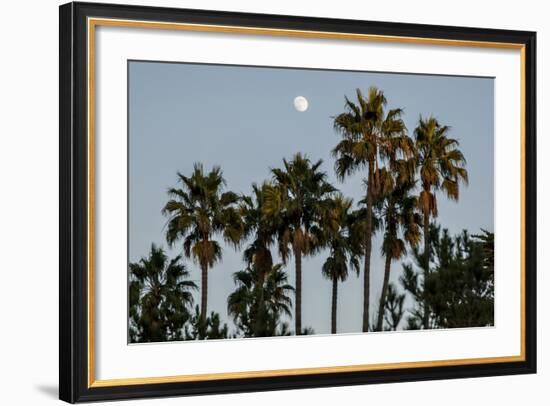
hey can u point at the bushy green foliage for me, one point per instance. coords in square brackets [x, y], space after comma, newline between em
[394, 308]
[459, 290]
[159, 298]
[259, 301]
[207, 328]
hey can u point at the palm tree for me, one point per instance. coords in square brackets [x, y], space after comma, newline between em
[396, 209]
[297, 198]
[344, 249]
[262, 229]
[198, 212]
[369, 135]
[260, 319]
[442, 167]
[160, 297]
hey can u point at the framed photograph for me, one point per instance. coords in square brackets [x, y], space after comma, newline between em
[256, 202]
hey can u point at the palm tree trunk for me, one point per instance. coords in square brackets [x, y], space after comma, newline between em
[426, 315]
[334, 305]
[204, 291]
[259, 326]
[383, 294]
[298, 311]
[368, 248]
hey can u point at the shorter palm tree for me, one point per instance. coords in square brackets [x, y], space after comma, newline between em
[160, 297]
[255, 318]
[299, 194]
[344, 248]
[396, 210]
[198, 212]
[261, 229]
[441, 166]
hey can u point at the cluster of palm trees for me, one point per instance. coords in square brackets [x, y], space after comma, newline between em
[298, 213]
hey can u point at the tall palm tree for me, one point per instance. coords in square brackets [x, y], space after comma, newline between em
[297, 198]
[343, 246]
[260, 319]
[442, 168]
[369, 135]
[197, 212]
[160, 297]
[397, 210]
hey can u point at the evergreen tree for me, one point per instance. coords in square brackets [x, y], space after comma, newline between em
[206, 328]
[459, 291]
[394, 308]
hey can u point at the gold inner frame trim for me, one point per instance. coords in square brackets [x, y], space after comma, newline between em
[298, 371]
[94, 22]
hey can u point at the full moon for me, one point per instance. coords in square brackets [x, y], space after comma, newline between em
[300, 104]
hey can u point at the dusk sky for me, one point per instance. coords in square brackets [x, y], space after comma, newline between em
[243, 119]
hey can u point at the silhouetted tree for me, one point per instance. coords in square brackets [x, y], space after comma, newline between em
[369, 134]
[297, 199]
[160, 296]
[198, 212]
[257, 316]
[459, 291]
[344, 248]
[441, 166]
[208, 328]
[394, 308]
[396, 210]
[255, 319]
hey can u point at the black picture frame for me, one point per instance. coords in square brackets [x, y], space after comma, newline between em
[73, 259]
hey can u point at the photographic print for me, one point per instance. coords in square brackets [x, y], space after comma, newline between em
[268, 202]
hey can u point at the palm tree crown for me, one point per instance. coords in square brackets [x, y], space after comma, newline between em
[343, 245]
[258, 225]
[297, 198]
[258, 315]
[196, 213]
[261, 229]
[440, 163]
[441, 166]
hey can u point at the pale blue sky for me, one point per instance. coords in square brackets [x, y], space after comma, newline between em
[243, 119]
